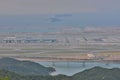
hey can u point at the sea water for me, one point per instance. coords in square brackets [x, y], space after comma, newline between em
[71, 68]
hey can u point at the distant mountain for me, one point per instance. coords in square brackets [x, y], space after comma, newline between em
[24, 67]
[59, 17]
[53, 19]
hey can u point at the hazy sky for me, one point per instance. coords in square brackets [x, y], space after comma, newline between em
[32, 15]
[16, 7]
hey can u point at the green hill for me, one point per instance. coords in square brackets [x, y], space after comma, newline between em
[25, 70]
[24, 67]
[14, 76]
[98, 73]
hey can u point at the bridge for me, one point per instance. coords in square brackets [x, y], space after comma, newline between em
[58, 59]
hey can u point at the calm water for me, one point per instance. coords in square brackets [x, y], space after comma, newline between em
[70, 68]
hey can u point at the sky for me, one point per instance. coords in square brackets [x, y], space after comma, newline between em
[22, 7]
[24, 14]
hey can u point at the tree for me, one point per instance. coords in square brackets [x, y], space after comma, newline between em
[4, 78]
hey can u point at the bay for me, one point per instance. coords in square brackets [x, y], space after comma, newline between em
[71, 68]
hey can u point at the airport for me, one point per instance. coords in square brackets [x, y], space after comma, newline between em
[62, 46]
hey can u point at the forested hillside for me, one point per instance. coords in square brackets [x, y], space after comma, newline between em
[95, 73]
[24, 67]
